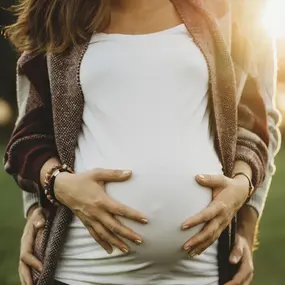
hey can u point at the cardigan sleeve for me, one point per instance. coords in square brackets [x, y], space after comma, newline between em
[32, 141]
[253, 138]
[267, 75]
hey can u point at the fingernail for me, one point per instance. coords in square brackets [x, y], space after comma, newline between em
[138, 241]
[202, 177]
[40, 269]
[187, 248]
[124, 249]
[144, 221]
[234, 259]
[109, 250]
[192, 254]
[40, 223]
[185, 227]
[127, 172]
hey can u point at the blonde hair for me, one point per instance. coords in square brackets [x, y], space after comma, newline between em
[54, 25]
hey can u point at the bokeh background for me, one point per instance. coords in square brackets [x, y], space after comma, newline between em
[270, 257]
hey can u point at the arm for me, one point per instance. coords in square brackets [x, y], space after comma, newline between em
[31, 199]
[32, 141]
[267, 68]
[248, 31]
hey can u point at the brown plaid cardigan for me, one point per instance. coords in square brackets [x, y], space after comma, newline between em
[51, 104]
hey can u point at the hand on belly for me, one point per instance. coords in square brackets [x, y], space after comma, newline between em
[167, 200]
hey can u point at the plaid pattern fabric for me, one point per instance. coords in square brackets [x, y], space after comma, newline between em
[50, 85]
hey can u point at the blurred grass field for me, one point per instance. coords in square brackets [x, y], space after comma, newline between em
[269, 259]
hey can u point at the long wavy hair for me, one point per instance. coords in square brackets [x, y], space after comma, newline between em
[55, 25]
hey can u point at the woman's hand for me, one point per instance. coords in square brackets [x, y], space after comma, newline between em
[242, 253]
[228, 197]
[35, 222]
[85, 195]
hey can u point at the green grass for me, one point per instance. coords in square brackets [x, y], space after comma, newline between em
[269, 259]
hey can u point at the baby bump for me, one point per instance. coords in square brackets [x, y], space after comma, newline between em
[167, 200]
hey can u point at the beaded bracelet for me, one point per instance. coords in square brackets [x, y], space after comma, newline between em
[50, 179]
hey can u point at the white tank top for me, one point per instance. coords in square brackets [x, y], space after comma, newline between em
[145, 110]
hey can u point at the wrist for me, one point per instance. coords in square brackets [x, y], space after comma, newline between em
[247, 224]
[243, 187]
[60, 185]
[46, 167]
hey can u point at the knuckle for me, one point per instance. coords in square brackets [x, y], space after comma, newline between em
[223, 208]
[99, 202]
[120, 210]
[211, 234]
[215, 236]
[114, 173]
[113, 228]
[22, 257]
[101, 234]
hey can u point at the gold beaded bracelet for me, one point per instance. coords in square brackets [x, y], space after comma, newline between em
[50, 179]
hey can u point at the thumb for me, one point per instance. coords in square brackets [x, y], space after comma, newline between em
[40, 219]
[40, 223]
[111, 175]
[211, 181]
[237, 252]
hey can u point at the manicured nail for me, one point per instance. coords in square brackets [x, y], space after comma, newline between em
[124, 249]
[192, 254]
[144, 221]
[138, 241]
[185, 227]
[127, 172]
[187, 248]
[40, 223]
[234, 259]
[109, 250]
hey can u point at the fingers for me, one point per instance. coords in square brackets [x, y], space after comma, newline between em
[212, 181]
[28, 239]
[237, 251]
[245, 274]
[243, 277]
[119, 209]
[201, 241]
[30, 260]
[204, 216]
[117, 228]
[108, 175]
[109, 237]
[25, 274]
[38, 218]
[108, 248]
[39, 224]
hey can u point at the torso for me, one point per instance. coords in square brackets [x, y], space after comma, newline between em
[145, 110]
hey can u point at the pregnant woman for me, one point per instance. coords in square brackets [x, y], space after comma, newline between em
[138, 135]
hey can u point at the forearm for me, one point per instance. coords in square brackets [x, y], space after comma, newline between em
[247, 224]
[241, 166]
[31, 200]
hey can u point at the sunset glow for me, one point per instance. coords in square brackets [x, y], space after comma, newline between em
[274, 18]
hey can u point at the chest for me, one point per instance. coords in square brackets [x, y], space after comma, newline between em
[67, 93]
[165, 67]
